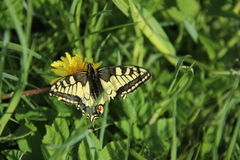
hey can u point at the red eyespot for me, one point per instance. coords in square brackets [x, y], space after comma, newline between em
[99, 108]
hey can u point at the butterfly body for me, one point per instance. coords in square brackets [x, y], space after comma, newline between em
[92, 88]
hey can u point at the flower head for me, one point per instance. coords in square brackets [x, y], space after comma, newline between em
[70, 65]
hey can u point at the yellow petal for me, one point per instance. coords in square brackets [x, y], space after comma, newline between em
[70, 65]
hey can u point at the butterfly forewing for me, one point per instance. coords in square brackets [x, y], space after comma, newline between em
[73, 89]
[121, 80]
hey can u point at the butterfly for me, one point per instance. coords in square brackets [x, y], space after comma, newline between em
[91, 89]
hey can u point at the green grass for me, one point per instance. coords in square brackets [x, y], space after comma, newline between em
[188, 110]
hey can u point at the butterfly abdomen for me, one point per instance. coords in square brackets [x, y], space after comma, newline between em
[94, 82]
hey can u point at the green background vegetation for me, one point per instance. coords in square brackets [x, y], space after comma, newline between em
[188, 110]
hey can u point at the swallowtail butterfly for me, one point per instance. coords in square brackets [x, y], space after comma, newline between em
[92, 88]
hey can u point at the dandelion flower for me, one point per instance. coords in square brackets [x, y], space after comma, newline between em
[69, 65]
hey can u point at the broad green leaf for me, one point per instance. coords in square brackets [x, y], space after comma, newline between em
[209, 45]
[31, 144]
[40, 114]
[175, 14]
[161, 128]
[189, 7]
[20, 133]
[191, 30]
[56, 135]
[52, 137]
[124, 125]
[60, 125]
[89, 147]
[114, 150]
[157, 136]
[13, 154]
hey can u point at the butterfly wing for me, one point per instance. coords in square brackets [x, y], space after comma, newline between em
[82, 89]
[118, 81]
[73, 89]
